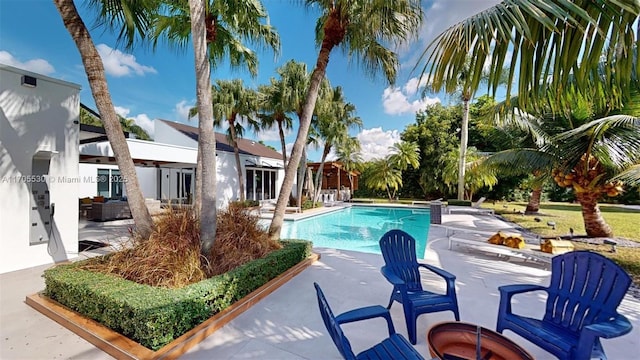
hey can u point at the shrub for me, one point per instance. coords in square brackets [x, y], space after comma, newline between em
[244, 204]
[455, 202]
[155, 316]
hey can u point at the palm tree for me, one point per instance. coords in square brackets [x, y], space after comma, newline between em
[274, 110]
[551, 40]
[476, 176]
[234, 103]
[229, 25]
[133, 17]
[360, 28]
[348, 153]
[586, 155]
[382, 175]
[404, 154]
[205, 201]
[334, 119]
[295, 82]
[222, 27]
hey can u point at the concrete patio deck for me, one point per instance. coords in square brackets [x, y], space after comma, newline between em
[287, 324]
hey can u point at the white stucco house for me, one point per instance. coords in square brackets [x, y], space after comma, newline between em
[166, 167]
[39, 134]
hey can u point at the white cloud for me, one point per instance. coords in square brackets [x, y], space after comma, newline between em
[272, 134]
[375, 142]
[413, 85]
[182, 110]
[122, 111]
[117, 63]
[39, 66]
[396, 101]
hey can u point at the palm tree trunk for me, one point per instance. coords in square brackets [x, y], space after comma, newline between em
[302, 171]
[534, 202]
[197, 195]
[325, 152]
[464, 134]
[206, 135]
[283, 143]
[594, 223]
[99, 88]
[236, 153]
[301, 140]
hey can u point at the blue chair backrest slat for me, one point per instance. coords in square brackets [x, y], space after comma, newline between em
[585, 287]
[338, 337]
[399, 252]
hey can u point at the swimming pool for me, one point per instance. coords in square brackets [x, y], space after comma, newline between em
[359, 228]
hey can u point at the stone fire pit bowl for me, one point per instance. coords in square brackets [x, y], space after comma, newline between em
[458, 341]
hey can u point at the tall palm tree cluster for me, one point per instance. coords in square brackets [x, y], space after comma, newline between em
[240, 108]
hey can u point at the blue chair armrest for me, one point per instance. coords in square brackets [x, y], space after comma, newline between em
[507, 292]
[365, 313]
[443, 273]
[615, 327]
[510, 290]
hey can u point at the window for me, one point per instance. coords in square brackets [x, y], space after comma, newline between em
[110, 183]
[261, 184]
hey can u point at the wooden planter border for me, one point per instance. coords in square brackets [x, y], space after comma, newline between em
[122, 347]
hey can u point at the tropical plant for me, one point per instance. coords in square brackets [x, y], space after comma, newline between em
[382, 175]
[234, 104]
[404, 154]
[132, 18]
[434, 133]
[274, 110]
[229, 26]
[334, 118]
[476, 176]
[546, 43]
[580, 153]
[222, 28]
[361, 29]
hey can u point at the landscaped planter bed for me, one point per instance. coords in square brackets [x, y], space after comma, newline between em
[161, 320]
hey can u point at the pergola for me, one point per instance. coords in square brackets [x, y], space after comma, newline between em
[334, 176]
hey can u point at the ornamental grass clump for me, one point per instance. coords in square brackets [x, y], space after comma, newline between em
[239, 239]
[170, 257]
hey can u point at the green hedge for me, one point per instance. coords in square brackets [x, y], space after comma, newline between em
[155, 316]
[455, 202]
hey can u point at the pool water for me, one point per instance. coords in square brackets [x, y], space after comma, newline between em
[360, 228]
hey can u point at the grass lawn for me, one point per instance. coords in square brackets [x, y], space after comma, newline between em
[624, 222]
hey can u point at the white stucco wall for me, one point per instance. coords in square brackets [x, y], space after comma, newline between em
[227, 188]
[37, 119]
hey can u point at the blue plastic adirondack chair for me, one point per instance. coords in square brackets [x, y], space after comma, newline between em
[391, 348]
[585, 291]
[402, 270]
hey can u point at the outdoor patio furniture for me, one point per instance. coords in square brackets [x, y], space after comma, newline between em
[110, 210]
[585, 291]
[393, 347]
[403, 271]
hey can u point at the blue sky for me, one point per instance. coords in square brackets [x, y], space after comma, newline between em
[146, 85]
